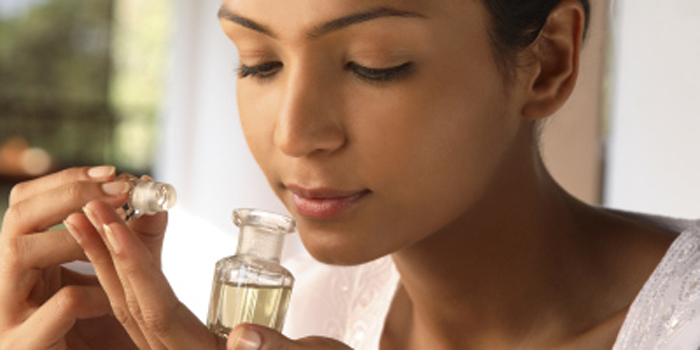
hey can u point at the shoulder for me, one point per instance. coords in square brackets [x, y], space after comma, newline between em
[667, 310]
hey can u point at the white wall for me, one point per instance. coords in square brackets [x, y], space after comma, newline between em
[204, 153]
[654, 149]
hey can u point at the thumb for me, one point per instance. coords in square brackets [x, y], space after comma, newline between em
[151, 231]
[255, 337]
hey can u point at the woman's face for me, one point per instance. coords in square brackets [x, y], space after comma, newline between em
[376, 122]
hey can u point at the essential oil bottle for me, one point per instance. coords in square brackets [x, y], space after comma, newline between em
[147, 197]
[251, 286]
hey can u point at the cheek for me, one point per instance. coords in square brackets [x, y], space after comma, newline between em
[433, 152]
[426, 148]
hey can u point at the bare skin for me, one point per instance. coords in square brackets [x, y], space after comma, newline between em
[397, 110]
[566, 286]
[500, 256]
[129, 305]
[45, 306]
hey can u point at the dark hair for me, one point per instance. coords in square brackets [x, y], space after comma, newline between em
[517, 23]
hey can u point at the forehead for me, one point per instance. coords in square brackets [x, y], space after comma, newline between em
[306, 13]
[298, 19]
[324, 5]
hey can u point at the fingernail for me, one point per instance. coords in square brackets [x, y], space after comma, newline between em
[115, 188]
[73, 231]
[245, 339]
[113, 241]
[99, 172]
[90, 215]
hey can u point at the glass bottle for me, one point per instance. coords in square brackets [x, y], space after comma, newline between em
[251, 286]
[147, 197]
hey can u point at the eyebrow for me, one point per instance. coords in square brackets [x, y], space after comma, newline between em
[325, 28]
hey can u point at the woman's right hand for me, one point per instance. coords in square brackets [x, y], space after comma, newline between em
[255, 337]
[43, 305]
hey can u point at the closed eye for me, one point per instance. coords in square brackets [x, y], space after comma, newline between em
[262, 71]
[267, 70]
[380, 74]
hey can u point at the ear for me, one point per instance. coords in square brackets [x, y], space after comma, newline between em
[555, 60]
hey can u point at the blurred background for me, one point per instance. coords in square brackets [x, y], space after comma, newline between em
[149, 86]
[81, 82]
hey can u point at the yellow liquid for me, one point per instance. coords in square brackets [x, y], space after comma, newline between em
[234, 304]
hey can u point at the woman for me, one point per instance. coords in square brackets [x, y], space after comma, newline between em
[402, 128]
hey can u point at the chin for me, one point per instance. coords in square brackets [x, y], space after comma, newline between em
[337, 248]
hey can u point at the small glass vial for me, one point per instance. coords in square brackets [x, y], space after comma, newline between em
[252, 286]
[147, 197]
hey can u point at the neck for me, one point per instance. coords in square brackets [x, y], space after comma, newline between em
[504, 274]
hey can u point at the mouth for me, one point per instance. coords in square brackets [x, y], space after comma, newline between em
[323, 203]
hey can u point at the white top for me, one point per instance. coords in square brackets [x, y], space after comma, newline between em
[351, 303]
[666, 312]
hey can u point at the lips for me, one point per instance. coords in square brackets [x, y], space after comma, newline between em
[324, 203]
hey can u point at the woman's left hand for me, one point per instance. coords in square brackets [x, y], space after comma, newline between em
[140, 295]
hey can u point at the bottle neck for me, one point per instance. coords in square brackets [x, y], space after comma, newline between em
[260, 242]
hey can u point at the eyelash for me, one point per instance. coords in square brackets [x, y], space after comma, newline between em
[261, 72]
[380, 75]
[268, 70]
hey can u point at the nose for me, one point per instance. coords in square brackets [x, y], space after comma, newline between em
[309, 120]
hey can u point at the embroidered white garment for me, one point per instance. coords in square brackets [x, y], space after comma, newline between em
[666, 312]
[351, 303]
[344, 303]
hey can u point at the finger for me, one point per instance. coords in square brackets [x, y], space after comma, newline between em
[256, 337]
[20, 257]
[31, 188]
[40, 212]
[150, 229]
[50, 323]
[128, 308]
[157, 310]
[41, 250]
[89, 239]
